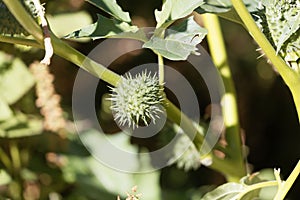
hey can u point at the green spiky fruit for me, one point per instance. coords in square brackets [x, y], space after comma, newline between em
[280, 22]
[185, 153]
[9, 24]
[137, 99]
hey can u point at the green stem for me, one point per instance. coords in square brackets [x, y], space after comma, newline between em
[161, 73]
[69, 53]
[175, 115]
[22, 41]
[255, 187]
[229, 105]
[290, 77]
[288, 183]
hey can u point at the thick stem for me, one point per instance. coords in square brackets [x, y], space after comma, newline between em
[175, 115]
[229, 105]
[290, 77]
[69, 53]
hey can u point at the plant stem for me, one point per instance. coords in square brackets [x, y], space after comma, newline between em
[175, 115]
[229, 105]
[255, 187]
[288, 183]
[69, 53]
[290, 77]
[161, 73]
[22, 41]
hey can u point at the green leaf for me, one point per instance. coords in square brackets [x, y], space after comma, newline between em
[215, 6]
[109, 28]
[226, 191]
[175, 9]
[4, 178]
[180, 40]
[112, 8]
[65, 23]
[224, 9]
[20, 126]
[221, 6]
[15, 80]
[109, 178]
[231, 15]
[5, 110]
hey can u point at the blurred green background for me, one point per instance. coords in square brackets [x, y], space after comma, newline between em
[57, 166]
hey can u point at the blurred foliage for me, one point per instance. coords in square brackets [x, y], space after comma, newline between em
[38, 164]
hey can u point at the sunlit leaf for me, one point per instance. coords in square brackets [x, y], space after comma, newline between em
[175, 9]
[4, 177]
[109, 28]
[226, 191]
[180, 40]
[15, 81]
[112, 8]
[5, 110]
[65, 23]
[20, 126]
[215, 6]
[221, 6]
[109, 177]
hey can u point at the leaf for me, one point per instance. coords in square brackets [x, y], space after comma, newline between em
[5, 110]
[15, 81]
[215, 6]
[231, 15]
[224, 9]
[289, 28]
[128, 159]
[221, 6]
[226, 191]
[175, 9]
[109, 28]
[112, 8]
[20, 126]
[63, 24]
[180, 41]
[4, 178]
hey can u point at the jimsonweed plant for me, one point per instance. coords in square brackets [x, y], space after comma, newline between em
[137, 100]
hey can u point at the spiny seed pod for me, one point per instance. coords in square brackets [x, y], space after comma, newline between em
[9, 24]
[279, 20]
[137, 99]
[185, 153]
